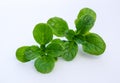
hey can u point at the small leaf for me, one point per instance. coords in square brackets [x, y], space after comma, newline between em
[44, 64]
[42, 33]
[85, 20]
[32, 52]
[57, 41]
[87, 11]
[70, 50]
[60, 42]
[70, 35]
[54, 49]
[58, 26]
[84, 24]
[20, 54]
[94, 44]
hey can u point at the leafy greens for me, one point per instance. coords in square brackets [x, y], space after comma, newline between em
[49, 49]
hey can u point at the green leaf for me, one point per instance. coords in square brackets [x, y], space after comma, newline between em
[94, 44]
[85, 20]
[20, 54]
[87, 11]
[44, 64]
[54, 49]
[70, 50]
[58, 25]
[57, 41]
[70, 35]
[84, 24]
[42, 33]
[33, 52]
[60, 42]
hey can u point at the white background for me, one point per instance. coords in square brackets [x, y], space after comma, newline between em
[17, 20]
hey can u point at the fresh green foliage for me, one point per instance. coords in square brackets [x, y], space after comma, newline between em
[94, 44]
[20, 55]
[70, 50]
[85, 20]
[42, 33]
[70, 35]
[59, 41]
[32, 52]
[79, 39]
[44, 64]
[49, 49]
[84, 24]
[87, 11]
[58, 25]
[54, 49]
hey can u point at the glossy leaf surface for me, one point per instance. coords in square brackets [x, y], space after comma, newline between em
[58, 25]
[42, 33]
[94, 44]
[20, 54]
[44, 64]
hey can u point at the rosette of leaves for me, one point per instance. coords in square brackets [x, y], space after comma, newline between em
[92, 43]
[50, 49]
[60, 28]
[44, 55]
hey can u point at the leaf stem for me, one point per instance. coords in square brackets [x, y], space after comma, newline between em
[42, 47]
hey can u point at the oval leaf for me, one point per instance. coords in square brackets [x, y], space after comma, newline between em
[58, 26]
[70, 50]
[84, 24]
[87, 11]
[32, 52]
[44, 64]
[85, 20]
[94, 44]
[56, 41]
[20, 54]
[54, 49]
[42, 33]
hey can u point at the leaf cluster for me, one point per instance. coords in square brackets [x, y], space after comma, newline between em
[49, 49]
